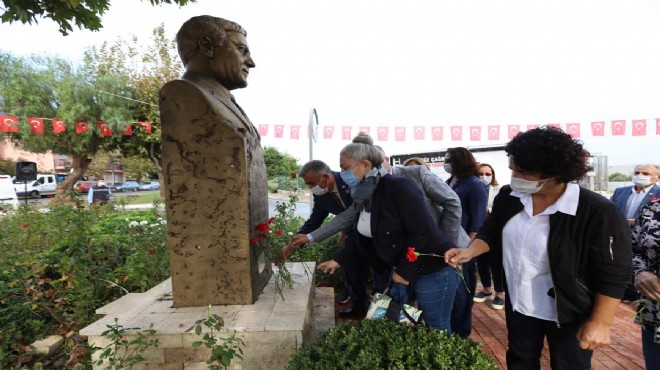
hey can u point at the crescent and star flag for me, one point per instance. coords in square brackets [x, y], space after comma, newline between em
[513, 131]
[81, 126]
[618, 127]
[436, 133]
[263, 130]
[366, 129]
[105, 130]
[639, 127]
[573, 129]
[346, 132]
[383, 133]
[295, 132]
[399, 133]
[419, 132]
[36, 125]
[279, 131]
[328, 131]
[8, 124]
[58, 126]
[493, 132]
[475, 133]
[456, 133]
[128, 131]
[146, 125]
[598, 128]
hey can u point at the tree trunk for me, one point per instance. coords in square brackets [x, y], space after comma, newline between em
[78, 168]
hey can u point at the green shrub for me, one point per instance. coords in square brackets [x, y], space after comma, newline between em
[384, 344]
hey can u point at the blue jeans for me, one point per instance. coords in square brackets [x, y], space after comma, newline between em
[435, 295]
[651, 349]
[461, 315]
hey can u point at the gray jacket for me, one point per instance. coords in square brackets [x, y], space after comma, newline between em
[442, 202]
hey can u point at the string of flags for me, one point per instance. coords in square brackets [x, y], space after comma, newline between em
[37, 127]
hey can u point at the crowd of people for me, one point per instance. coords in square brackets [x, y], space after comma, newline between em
[558, 258]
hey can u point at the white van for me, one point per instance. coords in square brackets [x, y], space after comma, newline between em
[8, 198]
[44, 185]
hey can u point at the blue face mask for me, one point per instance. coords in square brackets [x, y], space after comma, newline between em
[350, 179]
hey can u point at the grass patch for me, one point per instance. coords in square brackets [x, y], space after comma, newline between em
[141, 198]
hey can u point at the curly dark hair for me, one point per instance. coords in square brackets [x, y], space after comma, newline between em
[549, 152]
[462, 162]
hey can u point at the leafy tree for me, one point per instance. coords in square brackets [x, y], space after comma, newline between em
[7, 167]
[137, 168]
[617, 176]
[279, 164]
[51, 87]
[83, 13]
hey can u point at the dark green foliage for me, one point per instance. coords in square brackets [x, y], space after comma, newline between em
[384, 344]
[617, 176]
[279, 164]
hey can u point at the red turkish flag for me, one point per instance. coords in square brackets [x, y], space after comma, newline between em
[105, 130]
[639, 127]
[531, 127]
[436, 133]
[263, 130]
[657, 126]
[419, 132]
[58, 126]
[81, 126]
[573, 129]
[598, 128]
[475, 133]
[128, 131]
[555, 125]
[146, 125]
[513, 131]
[36, 125]
[346, 132]
[399, 133]
[456, 133]
[493, 132]
[619, 127]
[8, 124]
[383, 133]
[295, 132]
[279, 131]
[366, 129]
[328, 131]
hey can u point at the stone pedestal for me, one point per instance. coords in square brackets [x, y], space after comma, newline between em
[271, 328]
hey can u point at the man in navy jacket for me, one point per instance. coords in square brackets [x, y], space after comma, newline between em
[630, 199]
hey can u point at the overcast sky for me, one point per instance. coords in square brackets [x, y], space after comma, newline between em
[429, 63]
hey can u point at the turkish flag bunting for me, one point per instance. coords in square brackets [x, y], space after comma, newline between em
[36, 125]
[58, 126]
[475, 133]
[105, 130]
[146, 125]
[513, 131]
[639, 127]
[295, 132]
[531, 127]
[573, 129]
[346, 132]
[8, 124]
[81, 126]
[128, 131]
[383, 133]
[657, 126]
[419, 132]
[366, 129]
[279, 131]
[436, 133]
[555, 125]
[619, 127]
[598, 128]
[263, 130]
[399, 133]
[328, 131]
[456, 133]
[493, 132]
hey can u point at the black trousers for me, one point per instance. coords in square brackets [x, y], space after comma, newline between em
[526, 336]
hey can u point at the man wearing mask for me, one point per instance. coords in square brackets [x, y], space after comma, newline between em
[331, 196]
[630, 199]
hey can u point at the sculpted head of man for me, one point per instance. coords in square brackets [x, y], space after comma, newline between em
[217, 49]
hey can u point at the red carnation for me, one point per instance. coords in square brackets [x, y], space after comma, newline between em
[263, 228]
[294, 175]
[254, 240]
[278, 232]
[24, 226]
[270, 220]
[411, 256]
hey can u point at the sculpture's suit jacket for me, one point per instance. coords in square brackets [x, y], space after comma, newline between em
[620, 197]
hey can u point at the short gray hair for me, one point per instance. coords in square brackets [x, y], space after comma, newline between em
[361, 151]
[315, 166]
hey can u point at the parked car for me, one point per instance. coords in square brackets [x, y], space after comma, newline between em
[151, 185]
[115, 186]
[84, 186]
[44, 185]
[128, 186]
[8, 198]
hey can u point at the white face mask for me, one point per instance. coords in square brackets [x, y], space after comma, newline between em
[641, 180]
[523, 186]
[317, 190]
[447, 167]
[486, 180]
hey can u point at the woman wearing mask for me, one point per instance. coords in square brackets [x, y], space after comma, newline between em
[394, 218]
[464, 180]
[485, 264]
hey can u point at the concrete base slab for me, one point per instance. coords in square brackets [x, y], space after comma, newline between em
[271, 328]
